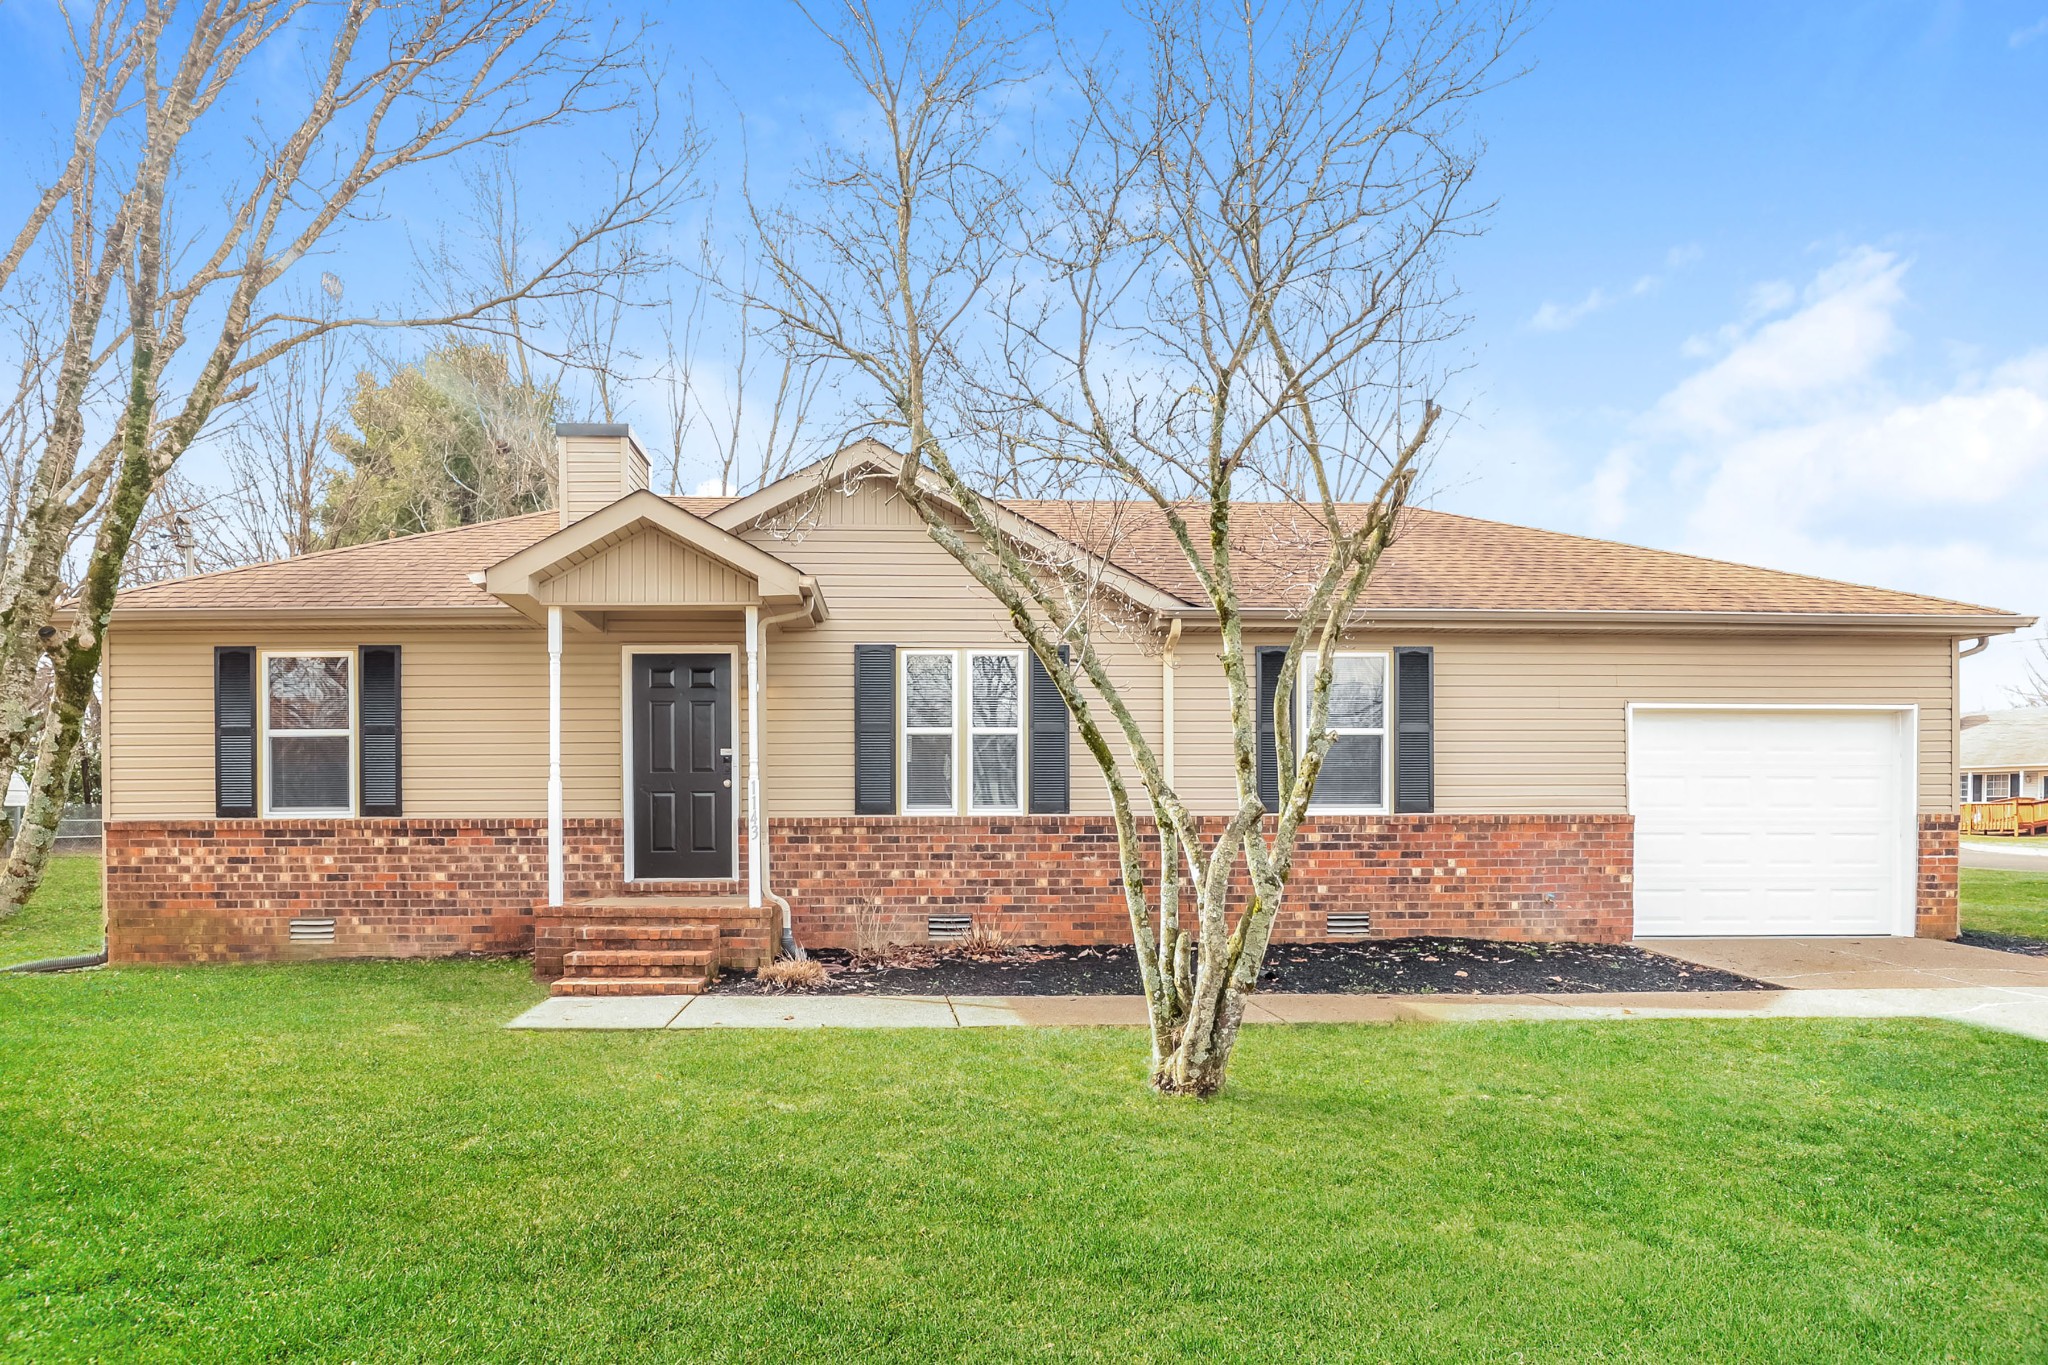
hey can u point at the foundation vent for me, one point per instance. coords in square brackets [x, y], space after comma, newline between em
[312, 931]
[1348, 926]
[948, 928]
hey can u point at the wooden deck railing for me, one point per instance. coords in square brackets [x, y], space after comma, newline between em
[2006, 817]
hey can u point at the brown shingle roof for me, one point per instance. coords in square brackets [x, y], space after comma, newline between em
[1439, 562]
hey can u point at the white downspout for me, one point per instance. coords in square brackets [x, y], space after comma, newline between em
[1169, 665]
[757, 825]
[554, 755]
[757, 880]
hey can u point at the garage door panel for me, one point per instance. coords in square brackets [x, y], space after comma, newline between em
[1770, 822]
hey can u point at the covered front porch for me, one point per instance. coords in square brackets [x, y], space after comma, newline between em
[689, 611]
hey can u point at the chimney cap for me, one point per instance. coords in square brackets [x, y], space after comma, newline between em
[596, 429]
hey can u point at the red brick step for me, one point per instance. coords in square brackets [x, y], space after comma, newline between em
[629, 985]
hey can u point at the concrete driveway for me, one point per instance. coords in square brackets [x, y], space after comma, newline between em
[1807, 964]
[2011, 857]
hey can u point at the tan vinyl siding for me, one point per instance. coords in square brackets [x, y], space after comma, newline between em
[650, 569]
[475, 711]
[1525, 721]
[1537, 722]
[887, 583]
[595, 472]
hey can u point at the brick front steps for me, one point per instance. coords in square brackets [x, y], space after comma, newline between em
[648, 944]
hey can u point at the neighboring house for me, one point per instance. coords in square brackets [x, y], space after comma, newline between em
[557, 731]
[2005, 759]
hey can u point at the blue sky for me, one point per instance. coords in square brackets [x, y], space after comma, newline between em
[1765, 281]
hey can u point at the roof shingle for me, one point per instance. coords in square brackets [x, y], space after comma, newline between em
[1438, 562]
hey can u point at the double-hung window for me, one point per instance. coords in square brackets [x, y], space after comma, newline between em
[930, 734]
[308, 716]
[962, 710]
[996, 731]
[1354, 773]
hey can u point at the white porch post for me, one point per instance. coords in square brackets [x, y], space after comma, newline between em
[554, 755]
[757, 828]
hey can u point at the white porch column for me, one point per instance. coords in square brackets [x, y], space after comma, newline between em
[757, 828]
[554, 755]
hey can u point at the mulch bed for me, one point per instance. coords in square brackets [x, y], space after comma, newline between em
[1406, 966]
[2004, 943]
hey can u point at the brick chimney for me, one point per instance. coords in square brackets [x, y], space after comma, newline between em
[596, 464]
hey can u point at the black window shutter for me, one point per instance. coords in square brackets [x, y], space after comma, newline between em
[379, 762]
[874, 729]
[1414, 730]
[1270, 658]
[1050, 769]
[234, 732]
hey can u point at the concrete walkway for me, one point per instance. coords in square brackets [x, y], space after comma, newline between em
[2013, 1009]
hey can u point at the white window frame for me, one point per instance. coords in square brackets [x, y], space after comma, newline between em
[265, 767]
[904, 730]
[2002, 791]
[966, 675]
[1310, 661]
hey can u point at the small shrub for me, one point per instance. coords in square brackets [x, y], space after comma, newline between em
[870, 939]
[792, 974]
[983, 942]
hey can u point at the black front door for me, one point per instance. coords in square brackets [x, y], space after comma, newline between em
[682, 765]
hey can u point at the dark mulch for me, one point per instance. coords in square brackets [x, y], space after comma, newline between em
[2005, 943]
[1407, 966]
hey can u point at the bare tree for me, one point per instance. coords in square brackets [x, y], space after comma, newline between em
[1219, 284]
[279, 456]
[153, 262]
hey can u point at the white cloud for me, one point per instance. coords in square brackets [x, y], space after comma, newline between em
[2020, 37]
[1808, 439]
[1558, 317]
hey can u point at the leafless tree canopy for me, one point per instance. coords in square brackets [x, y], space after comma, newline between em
[1206, 272]
[159, 299]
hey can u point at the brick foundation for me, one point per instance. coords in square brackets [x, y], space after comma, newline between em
[1054, 879]
[226, 890]
[1938, 911]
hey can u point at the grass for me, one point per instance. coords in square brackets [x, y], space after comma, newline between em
[2000, 902]
[63, 917]
[355, 1161]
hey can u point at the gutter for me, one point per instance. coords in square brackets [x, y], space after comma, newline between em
[1979, 624]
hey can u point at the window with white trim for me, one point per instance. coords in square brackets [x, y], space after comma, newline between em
[930, 735]
[308, 718]
[1354, 773]
[1997, 786]
[995, 715]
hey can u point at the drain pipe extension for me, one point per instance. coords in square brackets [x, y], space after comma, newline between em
[1983, 643]
[63, 964]
[790, 947]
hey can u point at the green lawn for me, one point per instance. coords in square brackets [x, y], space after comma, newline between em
[1998, 902]
[64, 916]
[354, 1161]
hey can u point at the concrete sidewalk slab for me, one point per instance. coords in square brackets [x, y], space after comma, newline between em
[1324, 1009]
[601, 1012]
[1061, 1011]
[985, 1011]
[1857, 963]
[817, 1011]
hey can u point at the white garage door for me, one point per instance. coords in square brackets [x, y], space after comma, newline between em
[1771, 822]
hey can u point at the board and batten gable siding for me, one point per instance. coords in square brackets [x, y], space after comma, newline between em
[1536, 723]
[648, 569]
[475, 707]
